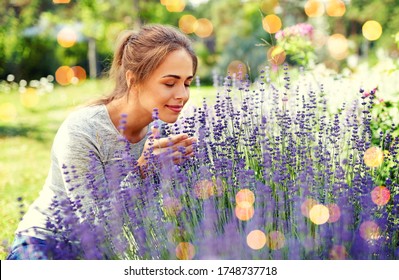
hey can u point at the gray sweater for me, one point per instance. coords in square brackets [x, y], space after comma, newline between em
[86, 130]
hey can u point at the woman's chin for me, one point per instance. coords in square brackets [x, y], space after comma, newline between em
[169, 119]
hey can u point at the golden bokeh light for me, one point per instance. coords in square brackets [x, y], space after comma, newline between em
[245, 198]
[307, 205]
[187, 23]
[271, 23]
[174, 6]
[369, 230]
[204, 189]
[373, 157]
[335, 8]
[338, 252]
[185, 251]
[334, 213]
[276, 55]
[203, 28]
[172, 206]
[244, 213]
[67, 37]
[314, 8]
[237, 69]
[256, 239]
[337, 46]
[29, 98]
[380, 195]
[79, 72]
[8, 112]
[319, 214]
[268, 6]
[61, 1]
[372, 30]
[64, 75]
[275, 240]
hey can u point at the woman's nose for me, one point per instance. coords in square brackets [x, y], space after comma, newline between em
[182, 92]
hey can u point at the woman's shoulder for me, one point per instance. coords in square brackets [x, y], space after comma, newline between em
[85, 116]
[85, 120]
[82, 114]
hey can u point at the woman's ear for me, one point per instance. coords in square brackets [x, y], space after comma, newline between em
[130, 78]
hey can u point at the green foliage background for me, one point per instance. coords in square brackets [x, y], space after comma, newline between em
[29, 50]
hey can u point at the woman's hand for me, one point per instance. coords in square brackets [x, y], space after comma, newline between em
[175, 147]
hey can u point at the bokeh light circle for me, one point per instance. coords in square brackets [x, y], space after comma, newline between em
[337, 46]
[380, 195]
[271, 23]
[335, 8]
[61, 1]
[245, 197]
[275, 240]
[67, 37]
[174, 6]
[314, 8]
[307, 205]
[185, 251]
[373, 157]
[64, 75]
[10, 78]
[256, 239]
[319, 214]
[29, 98]
[369, 230]
[338, 252]
[244, 213]
[334, 213]
[187, 23]
[276, 55]
[203, 27]
[204, 189]
[237, 69]
[172, 206]
[268, 6]
[8, 112]
[80, 73]
[372, 30]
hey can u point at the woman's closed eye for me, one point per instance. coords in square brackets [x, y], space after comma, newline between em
[172, 85]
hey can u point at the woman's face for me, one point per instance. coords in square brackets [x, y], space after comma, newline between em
[167, 89]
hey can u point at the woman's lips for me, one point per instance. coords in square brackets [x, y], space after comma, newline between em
[175, 108]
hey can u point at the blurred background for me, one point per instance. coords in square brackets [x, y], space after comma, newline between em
[73, 40]
[54, 55]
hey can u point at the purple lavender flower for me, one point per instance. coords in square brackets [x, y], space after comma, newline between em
[279, 141]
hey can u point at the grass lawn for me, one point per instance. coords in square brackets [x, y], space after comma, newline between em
[26, 135]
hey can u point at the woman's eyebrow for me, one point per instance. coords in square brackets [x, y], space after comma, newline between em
[176, 76]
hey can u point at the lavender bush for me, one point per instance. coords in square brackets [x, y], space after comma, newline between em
[277, 174]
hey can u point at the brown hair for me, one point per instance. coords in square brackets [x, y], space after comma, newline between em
[142, 52]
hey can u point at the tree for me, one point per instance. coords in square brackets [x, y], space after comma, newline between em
[15, 17]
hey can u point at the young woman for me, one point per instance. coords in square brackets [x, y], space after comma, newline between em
[152, 69]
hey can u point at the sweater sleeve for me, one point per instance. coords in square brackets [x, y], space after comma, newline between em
[77, 169]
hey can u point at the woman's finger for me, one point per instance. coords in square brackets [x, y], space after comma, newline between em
[170, 141]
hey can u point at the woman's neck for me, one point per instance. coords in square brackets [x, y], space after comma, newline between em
[137, 122]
